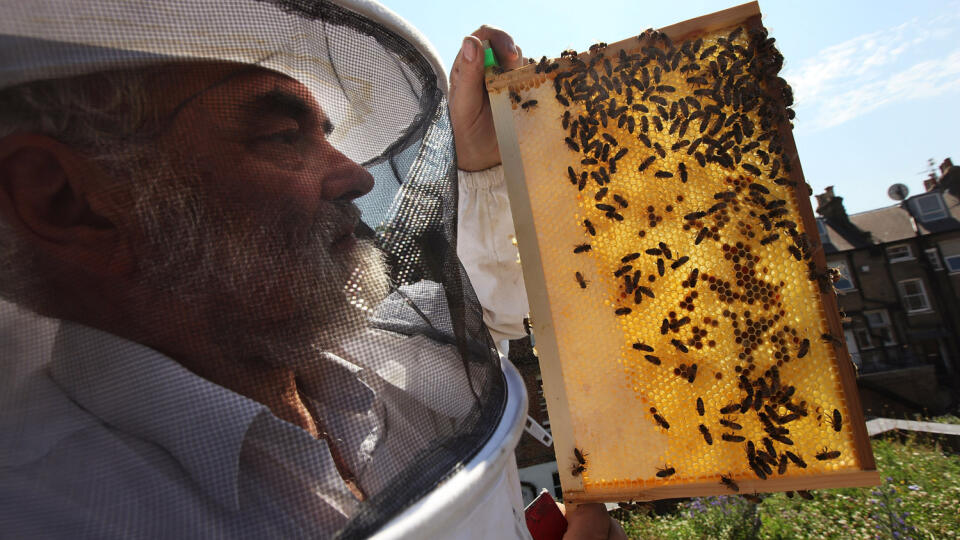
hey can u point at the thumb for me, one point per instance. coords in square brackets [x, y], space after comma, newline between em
[466, 79]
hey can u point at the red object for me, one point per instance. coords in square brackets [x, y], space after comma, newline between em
[544, 519]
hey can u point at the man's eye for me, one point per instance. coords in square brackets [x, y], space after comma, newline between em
[289, 136]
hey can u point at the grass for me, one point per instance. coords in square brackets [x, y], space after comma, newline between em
[919, 498]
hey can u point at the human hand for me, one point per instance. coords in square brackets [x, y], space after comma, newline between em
[591, 522]
[470, 114]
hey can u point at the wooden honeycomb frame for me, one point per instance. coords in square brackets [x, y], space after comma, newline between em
[625, 476]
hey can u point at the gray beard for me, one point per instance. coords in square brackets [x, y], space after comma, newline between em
[271, 291]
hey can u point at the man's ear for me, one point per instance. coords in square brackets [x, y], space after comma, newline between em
[54, 198]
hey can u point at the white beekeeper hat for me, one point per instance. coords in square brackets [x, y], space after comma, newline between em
[47, 39]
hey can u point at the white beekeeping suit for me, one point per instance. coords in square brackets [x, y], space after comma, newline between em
[232, 299]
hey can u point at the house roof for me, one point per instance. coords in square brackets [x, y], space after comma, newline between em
[888, 225]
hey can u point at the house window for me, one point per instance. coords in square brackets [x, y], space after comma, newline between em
[557, 488]
[881, 331]
[934, 259]
[822, 229]
[931, 207]
[845, 283]
[862, 336]
[901, 252]
[545, 423]
[914, 295]
[953, 263]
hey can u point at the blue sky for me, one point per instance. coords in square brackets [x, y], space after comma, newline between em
[876, 83]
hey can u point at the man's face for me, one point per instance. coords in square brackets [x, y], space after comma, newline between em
[245, 213]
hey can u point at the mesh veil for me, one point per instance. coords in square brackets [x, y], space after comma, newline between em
[280, 183]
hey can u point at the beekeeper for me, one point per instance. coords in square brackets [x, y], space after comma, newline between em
[234, 304]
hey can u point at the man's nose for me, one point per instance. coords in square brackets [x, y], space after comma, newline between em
[344, 179]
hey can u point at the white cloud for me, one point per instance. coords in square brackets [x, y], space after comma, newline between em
[852, 78]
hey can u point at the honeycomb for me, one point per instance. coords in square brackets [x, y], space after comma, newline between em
[686, 294]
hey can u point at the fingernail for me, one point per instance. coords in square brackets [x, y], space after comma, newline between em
[469, 50]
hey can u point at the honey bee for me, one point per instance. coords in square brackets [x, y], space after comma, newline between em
[622, 270]
[666, 250]
[804, 348]
[659, 150]
[580, 456]
[830, 338]
[605, 207]
[645, 291]
[805, 494]
[652, 359]
[679, 262]
[660, 267]
[620, 200]
[700, 410]
[528, 104]
[795, 459]
[706, 434]
[577, 469]
[700, 236]
[837, 420]
[582, 248]
[659, 419]
[622, 311]
[727, 409]
[643, 347]
[665, 471]
[682, 169]
[601, 193]
[646, 163]
[629, 257]
[515, 97]
[728, 482]
[679, 345]
[590, 228]
[769, 238]
[751, 169]
[795, 251]
[782, 467]
[582, 282]
[730, 437]
[730, 423]
[572, 144]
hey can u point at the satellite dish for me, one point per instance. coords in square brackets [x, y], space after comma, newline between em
[898, 192]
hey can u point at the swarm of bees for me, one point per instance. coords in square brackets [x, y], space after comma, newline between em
[670, 113]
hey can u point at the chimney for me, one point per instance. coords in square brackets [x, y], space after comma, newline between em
[831, 207]
[950, 177]
[945, 166]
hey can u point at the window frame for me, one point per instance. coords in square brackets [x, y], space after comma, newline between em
[886, 322]
[946, 262]
[940, 213]
[933, 257]
[845, 272]
[901, 286]
[908, 257]
[824, 234]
